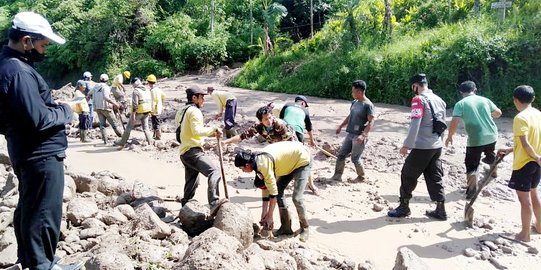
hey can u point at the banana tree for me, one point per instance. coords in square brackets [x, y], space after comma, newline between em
[272, 15]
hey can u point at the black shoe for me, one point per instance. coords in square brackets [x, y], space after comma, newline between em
[403, 210]
[439, 212]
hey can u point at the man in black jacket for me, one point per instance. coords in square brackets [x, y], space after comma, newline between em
[34, 127]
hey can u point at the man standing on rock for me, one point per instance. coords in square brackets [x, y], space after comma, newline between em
[425, 146]
[104, 104]
[478, 114]
[190, 120]
[276, 166]
[34, 127]
[227, 107]
[359, 123]
[141, 108]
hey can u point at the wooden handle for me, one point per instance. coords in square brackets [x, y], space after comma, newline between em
[222, 167]
[326, 152]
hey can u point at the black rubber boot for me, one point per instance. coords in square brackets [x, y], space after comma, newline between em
[403, 210]
[439, 213]
[285, 220]
[471, 179]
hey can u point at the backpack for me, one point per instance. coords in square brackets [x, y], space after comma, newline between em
[438, 123]
[177, 131]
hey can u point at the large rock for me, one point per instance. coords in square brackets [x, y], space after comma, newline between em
[193, 217]
[213, 249]
[236, 220]
[6, 219]
[148, 220]
[406, 259]
[108, 185]
[126, 210]
[92, 223]
[84, 183]
[4, 158]
[8, 248]
[114, 217]
[109, 261]
[12, 182]
[272, 260]
[80, 209]
[69, 188]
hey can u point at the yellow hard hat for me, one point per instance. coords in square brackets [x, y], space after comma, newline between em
[127, 74]
[151, 78]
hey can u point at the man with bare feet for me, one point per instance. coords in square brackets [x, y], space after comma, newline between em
[527, 159]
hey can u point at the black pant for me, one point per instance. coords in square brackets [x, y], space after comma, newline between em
[473, 155]
[428, 163]
[39, 211]
[195, 162]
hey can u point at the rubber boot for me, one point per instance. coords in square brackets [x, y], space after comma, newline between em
[439, 212]
[471, 179]
[148, 136]
[285, 220]
[158, 134]
[82, 134]
[360, 172]
[230, 133]
[117, 131]
[104, 135]
[338, 170]
[305, 231]
[403, 210]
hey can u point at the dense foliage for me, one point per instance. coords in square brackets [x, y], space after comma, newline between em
[448, 43]
[381, 41]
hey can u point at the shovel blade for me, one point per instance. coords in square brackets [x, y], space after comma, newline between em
[468, 216]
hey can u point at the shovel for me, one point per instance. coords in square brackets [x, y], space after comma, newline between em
[222, 167]
[468, 210]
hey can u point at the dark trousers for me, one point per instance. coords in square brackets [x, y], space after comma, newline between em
[84, 121]
[230, 112]
[301, 176]
[473, 156]
[39, 211]
[156, 121]
[428, 163]
[195, 161]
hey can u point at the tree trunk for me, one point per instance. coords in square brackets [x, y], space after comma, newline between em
[388, 19]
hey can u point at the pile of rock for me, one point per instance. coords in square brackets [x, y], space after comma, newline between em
[492, 249]
[112, 223]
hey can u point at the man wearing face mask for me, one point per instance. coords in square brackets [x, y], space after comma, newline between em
[425, 146]
[34, 127]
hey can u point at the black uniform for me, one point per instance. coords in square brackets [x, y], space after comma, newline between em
[34, 127]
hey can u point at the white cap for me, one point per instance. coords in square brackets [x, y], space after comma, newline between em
[87, 74]
[104, 77]
[34, 23]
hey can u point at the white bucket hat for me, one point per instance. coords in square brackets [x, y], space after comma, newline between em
[34, 23]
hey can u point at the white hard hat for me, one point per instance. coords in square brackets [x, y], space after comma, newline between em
[104, 77]
[34, 23]
[87, 74]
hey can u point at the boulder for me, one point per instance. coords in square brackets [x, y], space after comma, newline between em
[108, 185]
[80, 209]
[92, 223]
[12, 182]
[84, 183]
[4, 158]
[8, 248]
[406, 259]
[213, 249]
[236, 220]
[10, 202]
[109, 261]
[91, 233]
[272, 260]
[69, 183]
[193, 217]
[6, 219]
[126, 210]
[114, 217]
[148, 220]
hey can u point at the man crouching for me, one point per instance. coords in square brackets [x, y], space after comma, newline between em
[275, 166]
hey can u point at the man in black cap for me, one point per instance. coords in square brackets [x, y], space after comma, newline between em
[425, 146]
[34, 127]
[192, 130]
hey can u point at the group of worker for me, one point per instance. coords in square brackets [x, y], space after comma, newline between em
[110, 103]
[34, 127]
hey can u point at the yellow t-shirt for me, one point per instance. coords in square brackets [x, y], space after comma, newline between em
[526, 123]
[158, 99]
[288, 156]
[221, 97]
[81, 106]
[192, 129]
[118, 80]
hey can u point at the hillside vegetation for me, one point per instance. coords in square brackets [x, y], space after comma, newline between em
[449, 44]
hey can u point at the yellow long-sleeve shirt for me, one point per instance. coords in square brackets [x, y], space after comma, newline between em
[288, 156]
[221, 97]
[192, 129]
[158, 99]
[81, 106]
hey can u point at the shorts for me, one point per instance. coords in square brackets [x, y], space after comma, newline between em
[526, 178]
